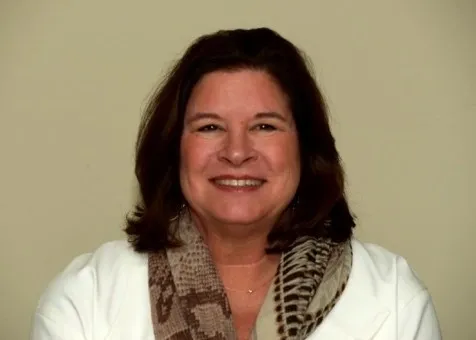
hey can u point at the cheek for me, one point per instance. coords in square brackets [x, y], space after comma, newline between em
[194, 154]
[285, 157]
[188, 156]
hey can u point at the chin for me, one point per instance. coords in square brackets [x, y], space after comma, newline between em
[237, 220]
[238, 217]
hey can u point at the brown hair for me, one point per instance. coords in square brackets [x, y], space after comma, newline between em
[319, 208]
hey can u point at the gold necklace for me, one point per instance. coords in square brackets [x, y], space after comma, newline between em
[247, 265]
[249, 291]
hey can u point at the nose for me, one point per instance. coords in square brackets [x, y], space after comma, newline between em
[237, 148]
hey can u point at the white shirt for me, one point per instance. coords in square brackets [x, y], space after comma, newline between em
[104, 295]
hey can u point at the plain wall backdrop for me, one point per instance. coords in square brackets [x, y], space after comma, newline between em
[399, 77]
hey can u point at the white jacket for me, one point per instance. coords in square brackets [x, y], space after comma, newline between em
[104, 296]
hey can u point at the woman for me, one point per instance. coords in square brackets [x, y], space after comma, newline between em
[243, 230]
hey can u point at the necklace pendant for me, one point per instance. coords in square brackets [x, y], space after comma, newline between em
[250, 291]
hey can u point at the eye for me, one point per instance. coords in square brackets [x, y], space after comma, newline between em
[265, 127]
[208, 128]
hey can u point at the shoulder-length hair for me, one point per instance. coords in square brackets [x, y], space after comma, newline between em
[319, 207]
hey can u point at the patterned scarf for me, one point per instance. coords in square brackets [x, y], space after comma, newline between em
[188, 301]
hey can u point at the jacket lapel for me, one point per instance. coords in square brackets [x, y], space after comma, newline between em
[359, 313]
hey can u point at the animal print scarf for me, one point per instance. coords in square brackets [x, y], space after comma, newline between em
[188, 301]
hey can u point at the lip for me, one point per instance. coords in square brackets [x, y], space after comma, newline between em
[236, 189]
[242, 177]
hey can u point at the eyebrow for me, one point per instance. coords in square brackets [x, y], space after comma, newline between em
[271, 115]
[203, 115]
[259, 115]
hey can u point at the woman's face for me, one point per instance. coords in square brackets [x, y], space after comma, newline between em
[240, 159]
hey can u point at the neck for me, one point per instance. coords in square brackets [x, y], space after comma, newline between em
[234, 245]
[233, 252]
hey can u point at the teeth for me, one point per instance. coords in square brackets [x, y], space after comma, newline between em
[239, 182]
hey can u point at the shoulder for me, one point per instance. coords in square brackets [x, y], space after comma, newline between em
[110, 260]
[388, 273]
[384, 299]
[92, 281]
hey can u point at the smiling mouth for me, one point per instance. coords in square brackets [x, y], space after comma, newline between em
[239, 183]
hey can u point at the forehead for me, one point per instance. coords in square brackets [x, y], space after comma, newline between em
[245, 90]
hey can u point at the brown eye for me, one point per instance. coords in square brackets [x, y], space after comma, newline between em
[208, 128]
[265, 127]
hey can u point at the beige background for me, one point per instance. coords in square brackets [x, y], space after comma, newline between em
[400, 78]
